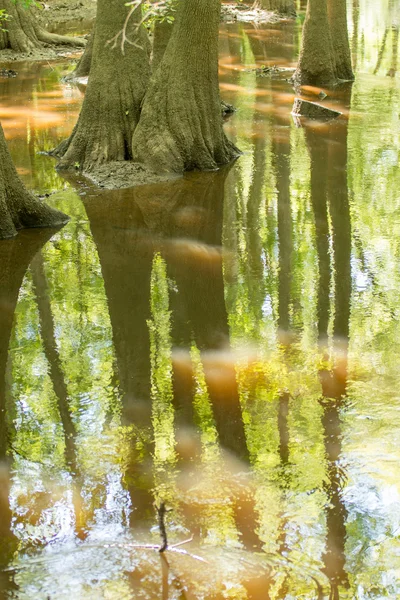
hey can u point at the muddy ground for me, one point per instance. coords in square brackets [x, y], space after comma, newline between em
[58, 12]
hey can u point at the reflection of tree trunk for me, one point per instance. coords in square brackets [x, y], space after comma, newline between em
[281, 152]
[274, 43]
[395, 51]
[126, 255]
[15, 256]
[339, 209]
[254, 263]
[199, 315]
[183, 222]
[329, 150]
[51, 352]
[281, 162]
[47, 330]
[318, 149]
[200, 301]
[356, 24]
[381, 51]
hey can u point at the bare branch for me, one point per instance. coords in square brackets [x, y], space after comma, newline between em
[134, 5]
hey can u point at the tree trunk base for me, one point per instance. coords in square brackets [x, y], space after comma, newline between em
[23, 34]
[18, 207]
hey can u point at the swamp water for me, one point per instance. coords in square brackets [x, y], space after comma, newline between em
[228, 344]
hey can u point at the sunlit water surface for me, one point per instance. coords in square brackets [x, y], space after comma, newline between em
[227, 344]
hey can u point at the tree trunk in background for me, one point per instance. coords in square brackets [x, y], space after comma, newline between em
[337, 15]
[283, 7]
[18, 207]
[162, 35]
[84, 64]
[316, 64]
[181, 125]
[117, 84]
[325, 55]
[23, 32]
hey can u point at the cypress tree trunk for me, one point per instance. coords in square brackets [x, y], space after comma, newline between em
[316, 64]
[337, 15]
[162, 35]
[325, 57]
[18, 207]
[283, 7]
[180, 126]
[84, 64]
[116, 87]
[23, 32]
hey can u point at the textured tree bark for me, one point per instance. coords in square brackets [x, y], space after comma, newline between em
[316, 64]
[180, 128]
[325, 56]
[23, 32]
[84, 64]
[117, 84]
[18, 207]
[337, 15]
[162, 35]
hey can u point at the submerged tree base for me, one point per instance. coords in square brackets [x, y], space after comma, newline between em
[18, 207]
[24, 34]
[117, 175]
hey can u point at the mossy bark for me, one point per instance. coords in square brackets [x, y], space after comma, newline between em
[23, 32]
[18, 207]
[325, 57]
[117, 84]
[180, 128]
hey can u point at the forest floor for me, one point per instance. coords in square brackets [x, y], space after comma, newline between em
[57, 12]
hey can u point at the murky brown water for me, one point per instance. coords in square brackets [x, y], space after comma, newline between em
[227, 344]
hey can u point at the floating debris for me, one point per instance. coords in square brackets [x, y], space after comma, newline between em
[269, 71]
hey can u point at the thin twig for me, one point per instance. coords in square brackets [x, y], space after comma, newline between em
[181, 543]
[135, 4]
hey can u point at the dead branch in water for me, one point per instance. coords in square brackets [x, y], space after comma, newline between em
[161, 511]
